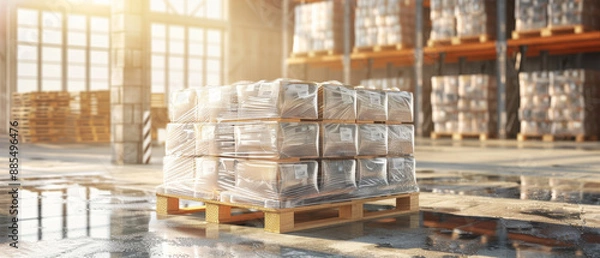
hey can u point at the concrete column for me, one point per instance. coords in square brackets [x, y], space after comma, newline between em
[130, 84]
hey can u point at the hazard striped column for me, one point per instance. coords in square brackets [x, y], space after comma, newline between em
[147, 141]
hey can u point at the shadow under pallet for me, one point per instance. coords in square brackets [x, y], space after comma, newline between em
[292, 219]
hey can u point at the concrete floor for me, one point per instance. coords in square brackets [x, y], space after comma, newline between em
[491, 199]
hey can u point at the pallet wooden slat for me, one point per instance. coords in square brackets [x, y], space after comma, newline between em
[461, 136]
[552, 138]
[287, 220]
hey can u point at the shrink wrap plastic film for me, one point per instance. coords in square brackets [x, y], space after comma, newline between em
[560, 102]
[537, 14]
[394, 84]
[531, 14]
[236, 144]
[318, 26]
[462, 18]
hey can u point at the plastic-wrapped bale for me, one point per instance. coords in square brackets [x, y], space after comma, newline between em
[183, 106]
[384, 22]
[338, 177]
[388, 84]
[178, 176]
[270, 139]
[371, 177]
[339, 140]
[400, 106]
[371, 105]
[318, 26]
[278, 99]
[530, 14]
[401, 175]
[272, 184]
[372, 139]
[574, 12]
[181, 140]
[338, 102]
[401, 140]
[206, 177]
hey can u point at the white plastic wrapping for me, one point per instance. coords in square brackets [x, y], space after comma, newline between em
[189, 176]
[183, 106]
[318, 26]
[384, 22]
[574, 12]
[371, 105]
[372, 140]
[401, 174]
[530, 15]
[338, 176]
[338, 102]
[278, 99]
[339, 140]
[395, 84]
[401, 140]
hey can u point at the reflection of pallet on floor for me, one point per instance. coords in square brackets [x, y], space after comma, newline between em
[551, 137]
[461, 136]
[291, 219]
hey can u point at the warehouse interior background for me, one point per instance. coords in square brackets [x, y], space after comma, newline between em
[526, 185]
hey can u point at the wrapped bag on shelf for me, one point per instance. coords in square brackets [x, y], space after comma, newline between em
[206, 177]
[218, 103]
[339, 140]
[372, 139]
[401, 140]
[178, 176]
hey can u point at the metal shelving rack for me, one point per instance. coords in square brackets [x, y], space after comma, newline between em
[502, 50]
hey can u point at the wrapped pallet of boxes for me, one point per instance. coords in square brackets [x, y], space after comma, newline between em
[477, 104]
[531, 14]
[393, 84]
[287, 143]
[535, 102]
[443, 19]
[583, 13]
[444, 102]
[475, 17]
[384, 22]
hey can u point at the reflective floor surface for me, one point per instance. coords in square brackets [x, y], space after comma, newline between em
[74, 203]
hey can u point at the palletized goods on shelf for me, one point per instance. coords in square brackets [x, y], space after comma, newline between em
[560, 103]
[285, 144]
[460, 21]
[384, 23]
[318, 27]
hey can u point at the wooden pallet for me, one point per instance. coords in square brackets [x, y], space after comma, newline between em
[461, 136]
[471, 39]
[314, 53]
[290, 219]
[379, 48]
[439, 42]
[526, 34]
[560, 30]
[551, 138]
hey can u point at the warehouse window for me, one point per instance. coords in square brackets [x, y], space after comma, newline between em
[211, 9]
[43, 54]
[185, 56]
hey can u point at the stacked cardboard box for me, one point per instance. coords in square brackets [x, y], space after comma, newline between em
[42, 116]
[384, 22]
[318, 26]
[286, 143]
[560, 102]
[464, 104]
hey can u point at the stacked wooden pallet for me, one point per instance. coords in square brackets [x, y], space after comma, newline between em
[90, 116]
[41, 115]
